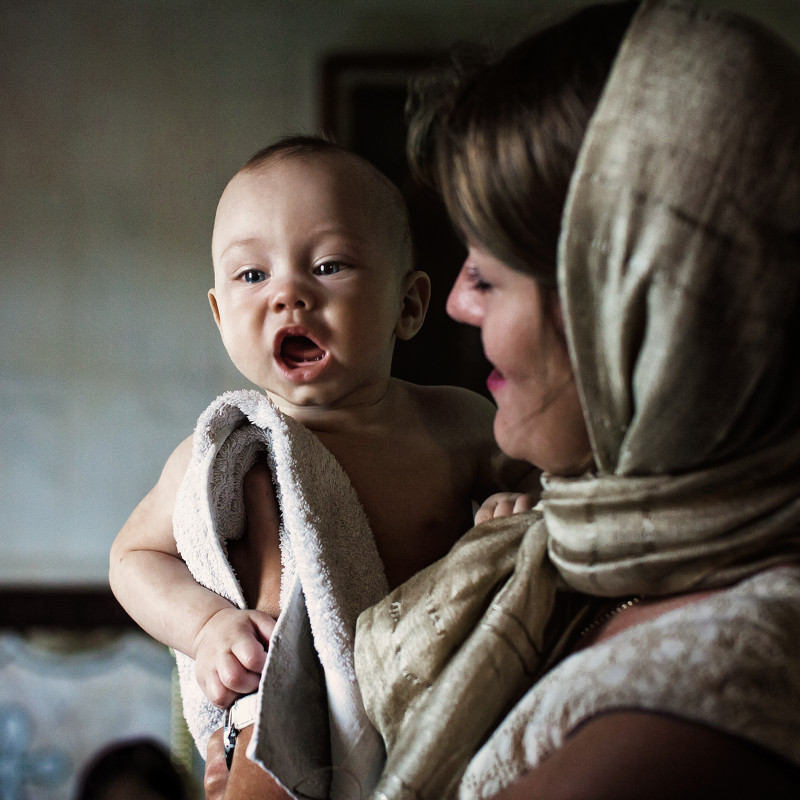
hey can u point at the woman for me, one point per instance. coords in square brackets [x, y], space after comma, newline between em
[631, 213]
[628, 184]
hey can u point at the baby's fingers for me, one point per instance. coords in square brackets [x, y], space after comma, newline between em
[264, 625]
[251, 654]
[213, 686]
[497, 505]
[234, 676]
[505, 508]
[504, 504]
[524, 502]
[486, 511]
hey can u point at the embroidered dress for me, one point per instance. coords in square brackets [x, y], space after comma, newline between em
[704, 662]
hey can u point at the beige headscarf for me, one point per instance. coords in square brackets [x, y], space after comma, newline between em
[679, 274]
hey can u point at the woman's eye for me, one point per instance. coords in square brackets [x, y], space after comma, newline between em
[476, 280]
[329, 268]
[253, 276]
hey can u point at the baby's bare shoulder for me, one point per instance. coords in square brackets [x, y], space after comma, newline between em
[453, 407]
[463, 421]
[175, 468]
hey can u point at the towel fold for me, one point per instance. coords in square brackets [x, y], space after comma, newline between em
[312, 734]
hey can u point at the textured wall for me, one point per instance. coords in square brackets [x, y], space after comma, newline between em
[119, 125]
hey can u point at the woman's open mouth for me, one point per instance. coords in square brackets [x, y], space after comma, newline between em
[301, 358]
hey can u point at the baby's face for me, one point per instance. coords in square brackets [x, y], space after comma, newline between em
[308, 282]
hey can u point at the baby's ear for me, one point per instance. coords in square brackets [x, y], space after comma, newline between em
[212, 299]
[417, 295]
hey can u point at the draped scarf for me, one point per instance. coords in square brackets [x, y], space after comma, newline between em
[679, 277]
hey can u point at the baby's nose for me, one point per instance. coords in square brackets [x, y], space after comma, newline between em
[290, 293]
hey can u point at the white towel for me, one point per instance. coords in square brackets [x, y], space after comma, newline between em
[312, 735]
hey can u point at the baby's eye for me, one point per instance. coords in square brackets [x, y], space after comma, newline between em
[329, 268]
[253, 275]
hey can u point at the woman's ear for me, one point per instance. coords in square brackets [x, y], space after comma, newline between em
[555, 312]
[416, 297]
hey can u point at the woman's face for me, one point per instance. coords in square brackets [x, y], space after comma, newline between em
[539, 416]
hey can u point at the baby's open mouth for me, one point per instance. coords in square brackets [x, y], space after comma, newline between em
[298, 350]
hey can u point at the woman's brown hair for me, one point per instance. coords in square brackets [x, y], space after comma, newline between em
[499, 139]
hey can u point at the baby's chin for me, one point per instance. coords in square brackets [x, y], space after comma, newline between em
[321, 407]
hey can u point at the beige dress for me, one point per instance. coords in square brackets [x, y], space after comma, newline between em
[730, 661]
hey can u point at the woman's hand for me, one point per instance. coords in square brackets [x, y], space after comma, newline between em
[504, 504]
[216, 776]
[230, 652]
[245, 781]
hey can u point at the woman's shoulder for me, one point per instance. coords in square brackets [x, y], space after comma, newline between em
[729, 662]
[776, 585]
[732, 653]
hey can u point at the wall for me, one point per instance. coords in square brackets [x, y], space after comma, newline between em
[120, 125]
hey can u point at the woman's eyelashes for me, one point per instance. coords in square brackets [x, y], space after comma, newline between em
[476, 279]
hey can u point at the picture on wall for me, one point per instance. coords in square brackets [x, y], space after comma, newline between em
[363, 108]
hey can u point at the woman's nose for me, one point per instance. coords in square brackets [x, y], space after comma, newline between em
[464, 303]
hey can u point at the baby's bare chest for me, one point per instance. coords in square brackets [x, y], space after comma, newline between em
[417, 495]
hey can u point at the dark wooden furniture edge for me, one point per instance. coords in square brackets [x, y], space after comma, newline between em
[79, 609]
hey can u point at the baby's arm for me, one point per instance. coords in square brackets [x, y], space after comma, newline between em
[155, 587]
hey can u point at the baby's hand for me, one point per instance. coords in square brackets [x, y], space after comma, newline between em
[230, 652]
[504, 504]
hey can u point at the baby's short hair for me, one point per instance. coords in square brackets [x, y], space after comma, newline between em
[391, 201]
[295, 146]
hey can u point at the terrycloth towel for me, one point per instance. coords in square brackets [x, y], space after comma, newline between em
[313, 735]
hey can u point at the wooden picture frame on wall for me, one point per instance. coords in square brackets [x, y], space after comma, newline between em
[363, 101]
[362, 107]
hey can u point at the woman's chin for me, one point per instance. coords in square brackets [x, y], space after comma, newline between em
[560, 454]
[513, 443]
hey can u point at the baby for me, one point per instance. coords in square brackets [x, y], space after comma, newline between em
[313, 283]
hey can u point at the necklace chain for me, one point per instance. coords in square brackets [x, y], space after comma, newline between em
[603, 618]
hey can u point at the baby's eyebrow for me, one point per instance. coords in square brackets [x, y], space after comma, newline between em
[337, 231]
[240, 244]
[235, 247]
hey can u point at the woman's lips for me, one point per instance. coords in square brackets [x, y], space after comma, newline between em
[495, 381]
